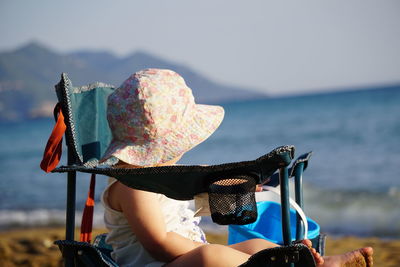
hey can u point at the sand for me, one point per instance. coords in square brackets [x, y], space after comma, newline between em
[34, 247]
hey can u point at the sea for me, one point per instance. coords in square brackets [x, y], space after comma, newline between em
[351, 185]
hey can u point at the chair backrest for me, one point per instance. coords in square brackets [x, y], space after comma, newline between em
[84, 108]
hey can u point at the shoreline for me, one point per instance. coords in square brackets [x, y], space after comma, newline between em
[34, 246]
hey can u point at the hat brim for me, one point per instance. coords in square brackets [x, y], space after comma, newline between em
[196, 127]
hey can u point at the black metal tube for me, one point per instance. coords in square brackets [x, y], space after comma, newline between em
[285, 205]
[70, 214]
[298, 188]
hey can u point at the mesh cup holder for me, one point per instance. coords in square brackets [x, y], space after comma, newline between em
[232, 200]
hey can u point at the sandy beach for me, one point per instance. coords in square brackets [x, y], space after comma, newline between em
[34, 247]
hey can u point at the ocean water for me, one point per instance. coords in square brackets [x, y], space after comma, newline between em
[352, 184]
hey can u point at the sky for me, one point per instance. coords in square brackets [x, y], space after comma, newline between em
[278, 47]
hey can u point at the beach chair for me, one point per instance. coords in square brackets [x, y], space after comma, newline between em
[81, 117]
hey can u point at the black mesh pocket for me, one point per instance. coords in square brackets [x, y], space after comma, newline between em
[232, 200]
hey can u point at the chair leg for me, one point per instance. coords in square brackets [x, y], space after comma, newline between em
[70, 216]
[285, 205]
[298, 182]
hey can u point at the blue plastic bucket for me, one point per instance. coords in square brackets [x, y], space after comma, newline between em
[269, 225]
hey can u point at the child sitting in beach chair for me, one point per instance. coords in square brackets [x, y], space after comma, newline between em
[154, 121]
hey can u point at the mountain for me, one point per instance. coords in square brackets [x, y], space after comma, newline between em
[28, 76]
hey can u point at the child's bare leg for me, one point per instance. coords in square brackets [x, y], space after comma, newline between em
[252, 246]
[211, 255]
[358, 258]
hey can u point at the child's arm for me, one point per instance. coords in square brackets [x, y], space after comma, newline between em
[143, 213]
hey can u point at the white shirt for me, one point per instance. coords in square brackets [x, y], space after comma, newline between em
[127, 250]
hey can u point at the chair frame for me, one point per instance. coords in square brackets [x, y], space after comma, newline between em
[282, 178]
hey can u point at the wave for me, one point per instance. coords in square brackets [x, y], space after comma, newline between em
[10, 219]
[360, 213]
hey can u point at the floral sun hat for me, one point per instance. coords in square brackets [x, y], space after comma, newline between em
[154, 119]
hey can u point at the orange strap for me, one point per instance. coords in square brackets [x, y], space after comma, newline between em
[53, 150]
[51, 158]
[87, 217]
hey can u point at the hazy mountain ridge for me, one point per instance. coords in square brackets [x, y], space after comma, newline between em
[28, 76]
